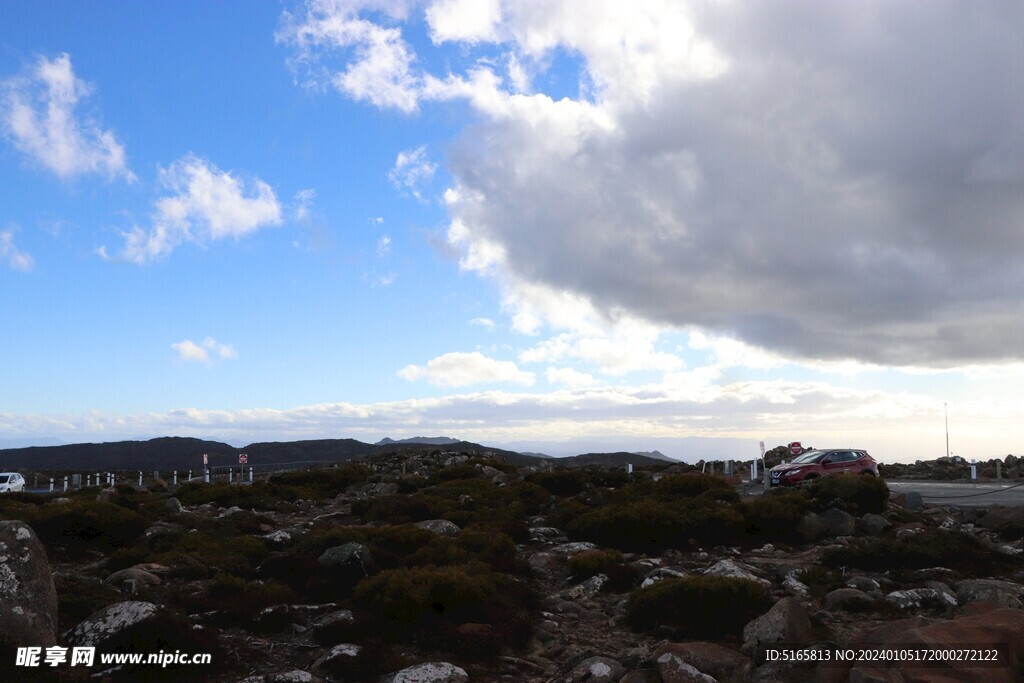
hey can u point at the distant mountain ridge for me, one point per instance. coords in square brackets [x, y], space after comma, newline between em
[430, 440]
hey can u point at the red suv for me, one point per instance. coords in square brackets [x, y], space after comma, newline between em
[813, 464]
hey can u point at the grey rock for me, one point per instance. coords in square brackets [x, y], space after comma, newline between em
[735, 570]
[587, 589]
[916, 598]
[570, 549]
[785, 622]
[849, 600]
[597, 670]
[140, 576]
[913, 501]
[441, 527]
[338, 661]
[348, 556]
[173, 506]
[28, 600]
[810, 527]
[1003, 593]
[873, 524]
[838, 523]
[110, 621]
[430, 672]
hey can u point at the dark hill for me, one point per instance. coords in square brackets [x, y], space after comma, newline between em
[609, 460]
[165, 453]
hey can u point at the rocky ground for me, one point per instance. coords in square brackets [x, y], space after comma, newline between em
[581, 629]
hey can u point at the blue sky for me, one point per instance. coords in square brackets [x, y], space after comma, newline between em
[512, 222]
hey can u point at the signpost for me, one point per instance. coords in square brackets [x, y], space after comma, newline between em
[243, 458]
[795, 448]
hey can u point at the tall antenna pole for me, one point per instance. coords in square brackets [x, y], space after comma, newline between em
[945, 407]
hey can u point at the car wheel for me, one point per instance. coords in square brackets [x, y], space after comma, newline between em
[869, 472]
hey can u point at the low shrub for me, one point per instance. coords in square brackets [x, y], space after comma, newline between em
[260, 496]
[700, 607]
[651, 526]
[856, 494]
[776, 517]
[324, 482]
[819, 580]
[424, 603]
[78, 597]
[81, 525]
[950, 549]
[593, 562]
[560, 482]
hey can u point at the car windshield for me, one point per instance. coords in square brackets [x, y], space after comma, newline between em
[808, 457]
[3, 478]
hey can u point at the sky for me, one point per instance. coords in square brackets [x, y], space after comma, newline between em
[538, 222]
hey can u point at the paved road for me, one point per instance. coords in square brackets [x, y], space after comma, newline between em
[954, 492]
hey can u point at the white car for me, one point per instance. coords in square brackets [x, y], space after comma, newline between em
[11, 481]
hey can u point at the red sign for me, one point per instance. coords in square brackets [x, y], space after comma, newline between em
[795, 448]
[242, 458]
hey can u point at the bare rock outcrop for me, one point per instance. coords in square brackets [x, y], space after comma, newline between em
[28, 600]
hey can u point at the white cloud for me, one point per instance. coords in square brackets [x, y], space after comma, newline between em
[383, 245]
[15, 258]
[205, 352]
[460, 369]
[381, 69]
[469, 21]
[626, 347]
[206, 204]
[39, 117]
[485, 323]
[570, 378]
[726, 168]
[304, 204]
[892, 426]
[412, 171]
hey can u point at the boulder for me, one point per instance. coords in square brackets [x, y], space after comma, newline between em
[587, 589]
[28, 600]
[810, 527]
[785, 622]
[173, 506]
[838, 523]
[916, 598]
[718, 662]
[872, 524]
[1006, 521]
[348, 556]
[430, 672]
[293, 676]
[1002, 593]
[913, 500]
[735, 570]
[998, 627]
[441, 527]
[570, 549]
[849, 600]
[339, 662]
[597, 670]
[140, 576]
[110, 621]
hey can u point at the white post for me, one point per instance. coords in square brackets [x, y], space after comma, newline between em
[753, 470]
[974, 470]
[65, 484]
[88, 480]
[175, 477]
[206, 477]
[190, 475]
[51, 484]
[98, 479]
[231, 475]
[250, 475]
[140, 479]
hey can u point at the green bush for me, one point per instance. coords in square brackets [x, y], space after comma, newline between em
[699, 607]
[261, 496]
[856, 494]
[420, 602]
[651, 526]
[324, 482]
[950, 549]
[777, 517]
[560, 482]
[78, 597]
[819, 580]
[593, 562]
[84, 524]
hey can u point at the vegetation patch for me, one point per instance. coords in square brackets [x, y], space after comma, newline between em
[950, 549]
[86, 525]
[429, 603]
[700, 607]
[777, 517]
[856, 494]
[652, 526]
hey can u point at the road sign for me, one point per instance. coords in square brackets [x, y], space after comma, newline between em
[242, 458]
[795, 448]
[762, 448]
[205, 459]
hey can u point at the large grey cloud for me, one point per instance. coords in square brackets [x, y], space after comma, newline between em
[850, 186]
